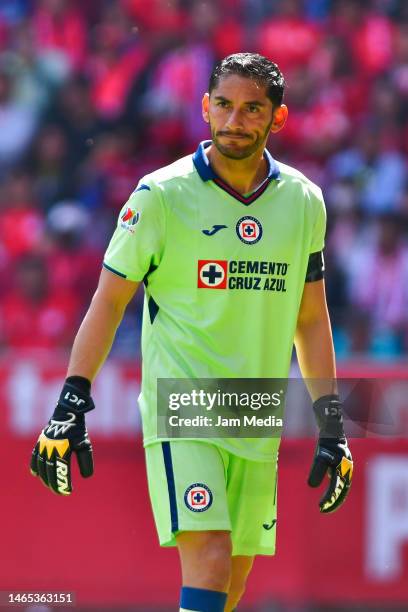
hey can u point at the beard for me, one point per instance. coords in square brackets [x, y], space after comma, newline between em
[236, 149]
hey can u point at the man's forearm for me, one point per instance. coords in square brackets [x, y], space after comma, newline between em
[315, 354]
[94, 338]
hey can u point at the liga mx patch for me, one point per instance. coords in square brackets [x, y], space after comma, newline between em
[249, 230]
[198, 497]
[212, 274]
[129, 219]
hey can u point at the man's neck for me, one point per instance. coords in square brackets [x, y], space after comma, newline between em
[243, 175]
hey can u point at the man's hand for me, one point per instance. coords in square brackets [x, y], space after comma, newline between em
[65, 433]
[334, 457]
[332, 454]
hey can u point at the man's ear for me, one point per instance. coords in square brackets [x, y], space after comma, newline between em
[205, 107]
[280, 114]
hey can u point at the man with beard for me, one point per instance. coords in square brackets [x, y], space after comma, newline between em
[193, 232]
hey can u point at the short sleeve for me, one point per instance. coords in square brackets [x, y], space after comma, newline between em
[319, 227]
[137, 242]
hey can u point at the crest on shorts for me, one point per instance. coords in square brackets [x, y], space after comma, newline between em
[198, 497]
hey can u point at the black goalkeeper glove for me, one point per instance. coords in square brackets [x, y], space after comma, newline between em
[65, 433]
[332, 454]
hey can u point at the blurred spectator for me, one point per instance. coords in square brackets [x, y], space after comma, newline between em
[377, 168]
[110, 174]
[381, 291]
[21, 223]
[181, 77]
[76, 116]
[287, 37]
[48, 165]
[17, 122]
[72, 262]
[118, 56]
[31, 316]
[60, 32]
[33, 81]
[372, 43]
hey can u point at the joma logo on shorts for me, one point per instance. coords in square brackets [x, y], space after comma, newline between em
[268, 527]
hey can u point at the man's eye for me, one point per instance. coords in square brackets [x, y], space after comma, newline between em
[222, 103]
[253, 109]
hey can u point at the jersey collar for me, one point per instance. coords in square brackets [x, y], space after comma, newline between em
[202, 164]
[206, 173]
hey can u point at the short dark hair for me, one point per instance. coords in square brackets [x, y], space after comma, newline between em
[252, 66]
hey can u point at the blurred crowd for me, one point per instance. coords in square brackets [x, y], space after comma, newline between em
[95, 94]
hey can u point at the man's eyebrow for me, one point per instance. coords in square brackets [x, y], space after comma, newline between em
[255, 102]
[222, 98]
[249, 103]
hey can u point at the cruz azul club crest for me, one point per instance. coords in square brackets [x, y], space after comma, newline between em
[249, 230]
[198, 497]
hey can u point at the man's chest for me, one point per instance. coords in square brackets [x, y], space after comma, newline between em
[218, 225]
[218, 243]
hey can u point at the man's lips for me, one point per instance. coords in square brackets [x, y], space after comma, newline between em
[233, 136]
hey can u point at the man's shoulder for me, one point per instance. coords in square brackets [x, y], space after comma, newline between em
[181, 168]
[292, 176]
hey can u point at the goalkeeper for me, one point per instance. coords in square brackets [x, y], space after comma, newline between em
[193, 232]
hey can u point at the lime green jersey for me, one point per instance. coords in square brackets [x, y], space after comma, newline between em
[223, 273]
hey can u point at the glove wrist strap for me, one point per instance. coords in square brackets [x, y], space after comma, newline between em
[329, 417]
[75, 399]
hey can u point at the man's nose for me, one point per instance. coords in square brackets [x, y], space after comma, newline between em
[235, 120]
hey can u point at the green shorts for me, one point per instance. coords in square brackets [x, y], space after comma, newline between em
[197, 486]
